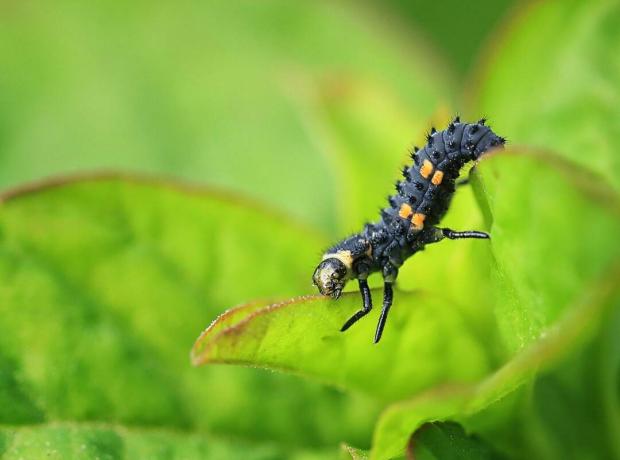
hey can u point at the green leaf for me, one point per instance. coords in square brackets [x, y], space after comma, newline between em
[201, 91]
[556, 278]
[59, 441]
[104, 284]
[423, 343]
[447, 441]
[552, 81]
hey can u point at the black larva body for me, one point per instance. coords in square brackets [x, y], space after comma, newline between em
[409, 222]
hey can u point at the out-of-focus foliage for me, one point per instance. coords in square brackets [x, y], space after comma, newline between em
[510, 347]
[209, 91]
[552, 81]
[457, 28]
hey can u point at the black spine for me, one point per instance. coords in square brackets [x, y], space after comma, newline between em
[447, 151]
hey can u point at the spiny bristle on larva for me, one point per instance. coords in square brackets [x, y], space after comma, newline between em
[482, 121]
[405, 171]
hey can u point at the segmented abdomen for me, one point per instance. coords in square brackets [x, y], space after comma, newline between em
[424, 195]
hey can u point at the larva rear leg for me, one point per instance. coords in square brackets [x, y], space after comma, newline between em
[390, 272]
[366, 307]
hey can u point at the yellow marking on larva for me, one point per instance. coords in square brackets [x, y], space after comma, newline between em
[418, 220]
[437, 177]
[343, 256]
[405, 211]
[426, 169]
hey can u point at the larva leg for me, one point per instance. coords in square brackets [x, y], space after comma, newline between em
[390, 272]
[387, 304]
[453, 235]
[367, 306]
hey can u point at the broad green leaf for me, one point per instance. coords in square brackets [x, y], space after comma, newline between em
[60, 441]
[447, 441]
[557, 273]
[552, 81]
[104, 284]
[423, 344]
[200, 90]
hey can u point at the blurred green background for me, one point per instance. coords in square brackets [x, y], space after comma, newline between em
[202, 156]
[217, 92]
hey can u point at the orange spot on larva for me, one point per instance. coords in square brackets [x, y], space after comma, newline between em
[405, 211]
[437, 177]
[426, 169]
[418, 220]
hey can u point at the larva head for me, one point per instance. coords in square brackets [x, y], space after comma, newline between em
[330, 277]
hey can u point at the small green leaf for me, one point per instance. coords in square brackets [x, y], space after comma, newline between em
[424, 341]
